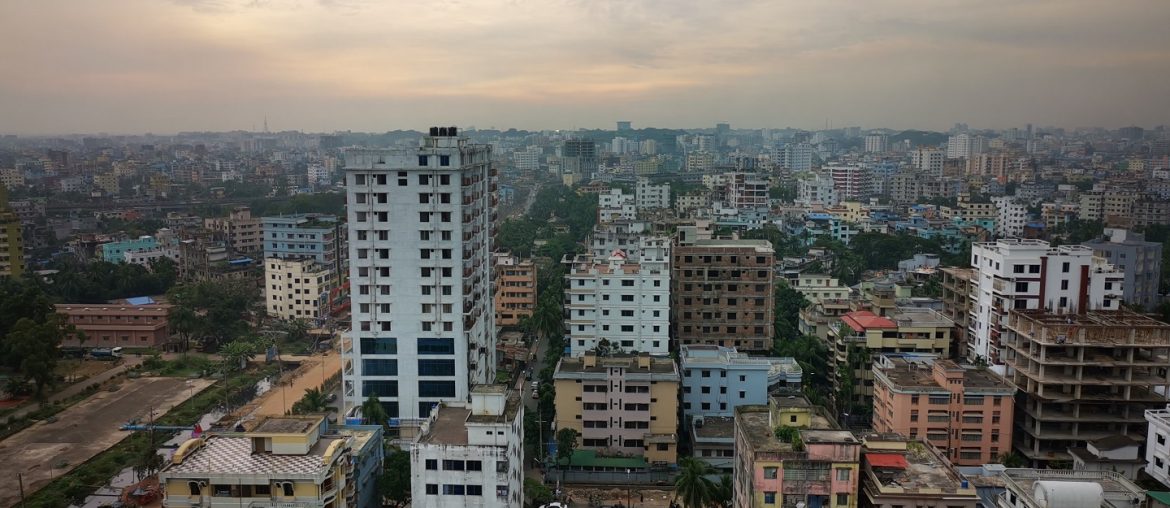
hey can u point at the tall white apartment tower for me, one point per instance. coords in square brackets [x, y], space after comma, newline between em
[420, 244]
[1022, 274]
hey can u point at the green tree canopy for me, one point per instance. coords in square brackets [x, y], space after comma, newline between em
[394, 484]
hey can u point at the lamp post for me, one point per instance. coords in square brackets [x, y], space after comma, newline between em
[627, 487]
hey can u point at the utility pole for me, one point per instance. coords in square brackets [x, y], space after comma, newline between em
[20, 479]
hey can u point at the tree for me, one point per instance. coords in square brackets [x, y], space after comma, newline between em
[36, 345]
[1012, 459]
[216, 311]
[537, 493]
[237, 353]
[566, 445]
[373, 413]
[692, 486]
[146, 461]
[723, 492]
[314, 401]
[394, 484]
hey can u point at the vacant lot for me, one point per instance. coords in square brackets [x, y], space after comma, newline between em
[84, 430]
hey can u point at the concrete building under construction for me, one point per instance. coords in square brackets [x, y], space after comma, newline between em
[1083, 377]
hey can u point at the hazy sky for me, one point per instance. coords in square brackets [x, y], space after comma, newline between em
[132, 66]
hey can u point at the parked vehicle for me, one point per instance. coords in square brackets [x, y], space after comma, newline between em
[105, 353]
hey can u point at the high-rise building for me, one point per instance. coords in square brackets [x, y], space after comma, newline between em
[471, 453]
[716, 379]
[624, 125]
[722, 293]
[746, 191]
[964, 411]
[579, 156]
[796, 157]
[315, 236]
[423, 311]
[1083, 377]
[852, 182]
[242, 232]
[12, 240]
[515, 288]
[965, 145]
[296, 288]
[648, 196]
[876, 143]
[1139, 260]
[1020, 274]
[929, 162]
[620, 303]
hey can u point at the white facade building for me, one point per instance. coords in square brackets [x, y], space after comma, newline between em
[852, 182]
[527, 160]
[615, 205]
[1011, 216]
[420, 249]
[928, 161]
[296, 288]
[797, 157]
[816, 189]
[965, 145]
[1158, 445]
[471, 454]
[1019, 274]
[876, 143]
[623, 302]
[649, 196]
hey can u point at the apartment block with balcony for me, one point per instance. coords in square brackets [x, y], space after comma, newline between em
[296, 289]
[1083, 377]
[242, 232]
[515, 288]
[281, 461]
[861, 336]
[1020, 274]
[316, 236]
[722, 292]
[11, 239]
[820, 469]
[956, 297]
[1139, 260]
[900, 472]
[471, 453]
[622, 404]
[716, 379]
[1157, 456]
[619, 304]
[965, 412]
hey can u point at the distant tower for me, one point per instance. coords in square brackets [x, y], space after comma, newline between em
[624, 125]
[266, 124]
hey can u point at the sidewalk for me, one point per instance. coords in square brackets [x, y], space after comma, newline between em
[76, 388]
[280, 399]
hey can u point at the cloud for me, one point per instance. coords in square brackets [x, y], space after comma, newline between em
[182, 64]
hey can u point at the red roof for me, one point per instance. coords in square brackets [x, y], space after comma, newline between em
[862, 320]
[887, 460]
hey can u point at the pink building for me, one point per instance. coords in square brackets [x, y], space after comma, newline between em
[964, 411]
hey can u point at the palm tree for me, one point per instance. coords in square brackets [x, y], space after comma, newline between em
[721, 497]
[314, 401]
[692, 486]
[373, 412]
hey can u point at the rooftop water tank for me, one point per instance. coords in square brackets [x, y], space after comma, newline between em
[1050, 494]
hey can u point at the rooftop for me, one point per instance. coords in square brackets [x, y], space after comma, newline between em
[1092, 318]
[223, 455]
[1116, 489]
[448, 427]
[658, 365]
[918, 470]
[762, 246]
[755, 423]
[862, 320]
[917, 372]
[286, 425]
[714, 427]
[813, 436]
[918, 317]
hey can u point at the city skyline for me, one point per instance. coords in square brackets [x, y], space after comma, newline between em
[189, 65]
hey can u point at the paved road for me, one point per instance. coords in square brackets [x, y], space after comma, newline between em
[85, 430]
[76, 388]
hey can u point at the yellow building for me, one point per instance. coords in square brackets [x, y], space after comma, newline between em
[282, 461]
[622, 405]
[515, 288]
[11, 240]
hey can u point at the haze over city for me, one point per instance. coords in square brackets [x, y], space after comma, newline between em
[168, 66]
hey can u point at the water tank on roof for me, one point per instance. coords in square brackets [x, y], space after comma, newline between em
[1049, 494]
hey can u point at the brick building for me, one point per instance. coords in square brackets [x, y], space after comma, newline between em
[722, 293]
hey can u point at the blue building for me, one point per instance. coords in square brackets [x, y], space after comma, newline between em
[306, 236]
[715, 379]
[115, 252]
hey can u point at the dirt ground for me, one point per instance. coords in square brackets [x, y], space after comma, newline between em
[638, 497]
[84, 430]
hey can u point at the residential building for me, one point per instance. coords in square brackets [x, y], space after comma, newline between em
[1157, 458]
[796, 157]
[716, 379]
[315, 236]
[965, 412]
[700, 162]
[115, 252]
[722, 293]
[515, 288]
[11, 178]
[527, 160]
[1118, 454]
[651, 197]
[11, 239]
[713, 441]
[747, 191]
[125, 324]
[1083, 377]
[579, 156]
[471, 453]
[956, 297]
[1020, 274]
[861, 336]
[965, 145]
[852, 182]
[877, 143]
[1139, 260]
[242, 232]
[1011, 217]
[423, 313]
[818, 287]
[821, 469]
[1051, 488]
[624, 235]
[615, 206]
[280, 461]
[296, 289]
[621, 404]
[619, 304]
[928, 161]
[897, 472]
[817, 188]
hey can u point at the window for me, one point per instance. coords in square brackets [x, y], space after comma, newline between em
[1161, 439]
[1064, 267]
[194, 486]
[380, 388]
[422, 161]
[379, 346]
[436, 388]
[474, 490]
[474, 465]
[432, 464]
[432, 346]
[453, 490]
[432, 489]
[429, 367]
[444, 160]
[770, 473]
[769, 498]
[379, 367]
[843, 475]
[287, 489]
[627, 298]
[843, 499]
[1064, 285]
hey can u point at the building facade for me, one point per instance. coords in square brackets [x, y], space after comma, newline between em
[117, 325]
[619, 305]
[1018, 274]
[1157, 457]
[422, 306]
[716, 379]
[964, 412]
[896, 472]
[315, 236]
[1139, 260]
[239, 229]
[296, 289]
[722, 293]
[625, 404]
[11, 239]
[515, 288]
[648, 196]
[471, 454]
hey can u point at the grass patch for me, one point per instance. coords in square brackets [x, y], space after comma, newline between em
[74, 486]
[189, 365]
